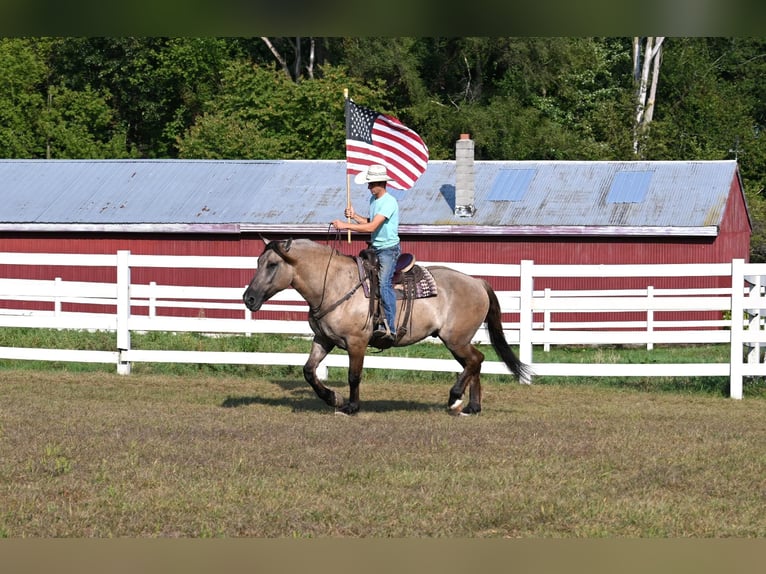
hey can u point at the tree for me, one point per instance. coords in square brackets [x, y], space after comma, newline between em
[23, 70]
[40, 118]
[646, 72]
[263, 114]
[158, 86]
[528, 98]
[393, 64]
[79, 125]
[298, 66]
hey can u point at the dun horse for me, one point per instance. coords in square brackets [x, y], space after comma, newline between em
[339, 317]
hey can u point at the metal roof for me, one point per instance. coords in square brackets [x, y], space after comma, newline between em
[307, 194]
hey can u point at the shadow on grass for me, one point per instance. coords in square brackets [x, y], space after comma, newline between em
[304, 399]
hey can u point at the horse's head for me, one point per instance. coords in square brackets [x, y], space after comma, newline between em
[275, 273]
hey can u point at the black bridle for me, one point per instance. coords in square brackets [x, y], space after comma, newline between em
[317, 312]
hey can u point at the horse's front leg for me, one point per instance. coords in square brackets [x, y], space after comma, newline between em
[319, 350]
[355, 365]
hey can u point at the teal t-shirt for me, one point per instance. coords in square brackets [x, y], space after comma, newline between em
[387, 235]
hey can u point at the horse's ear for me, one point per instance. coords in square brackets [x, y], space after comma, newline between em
[282, 247]
[285, 245]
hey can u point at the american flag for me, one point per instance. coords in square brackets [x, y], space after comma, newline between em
[372, 137]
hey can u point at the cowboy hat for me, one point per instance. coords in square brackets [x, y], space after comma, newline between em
[372, 173]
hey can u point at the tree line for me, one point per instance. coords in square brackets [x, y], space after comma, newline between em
[525, 98]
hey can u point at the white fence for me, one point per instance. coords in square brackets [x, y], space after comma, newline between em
[535, 329]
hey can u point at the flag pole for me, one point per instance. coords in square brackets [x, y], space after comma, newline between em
[348, 177]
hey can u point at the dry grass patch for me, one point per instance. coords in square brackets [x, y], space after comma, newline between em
[98, 455]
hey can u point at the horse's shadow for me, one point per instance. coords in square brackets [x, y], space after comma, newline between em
[302, 398]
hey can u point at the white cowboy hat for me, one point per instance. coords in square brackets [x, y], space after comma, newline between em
[372, 173]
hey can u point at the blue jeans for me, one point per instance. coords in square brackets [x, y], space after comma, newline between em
[387, 259]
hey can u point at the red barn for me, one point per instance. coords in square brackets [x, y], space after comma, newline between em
[562, 212]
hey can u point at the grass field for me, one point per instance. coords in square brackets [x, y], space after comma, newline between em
[196, 451]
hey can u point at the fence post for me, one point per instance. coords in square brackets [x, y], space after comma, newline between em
[547, 320]
[752, 313]
[650, 315]
[737, 328]
[526, 315]
[57, 297]
[123, 310]
[152, 299]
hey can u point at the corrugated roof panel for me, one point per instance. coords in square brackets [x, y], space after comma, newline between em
[313, 192]
[629, 187]
[511, 184]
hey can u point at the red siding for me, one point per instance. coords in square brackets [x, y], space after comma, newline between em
[732, 242]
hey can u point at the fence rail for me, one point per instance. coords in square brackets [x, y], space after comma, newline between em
[538, 315]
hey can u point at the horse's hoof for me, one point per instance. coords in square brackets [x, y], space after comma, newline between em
[454, 408]
[348, 409]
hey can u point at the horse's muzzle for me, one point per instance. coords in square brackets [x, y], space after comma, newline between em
[251, 301]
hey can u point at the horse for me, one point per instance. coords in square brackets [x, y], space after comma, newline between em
[339, 316]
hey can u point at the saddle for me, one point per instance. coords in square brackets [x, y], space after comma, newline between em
[410, 282]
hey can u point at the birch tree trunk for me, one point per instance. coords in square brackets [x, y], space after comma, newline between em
[646, 92]
[297, 67]
[657, 57]
[278, 56]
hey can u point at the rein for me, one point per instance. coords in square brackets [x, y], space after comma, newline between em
[317, 313]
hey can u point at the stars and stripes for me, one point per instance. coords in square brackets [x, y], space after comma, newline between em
[375, 138]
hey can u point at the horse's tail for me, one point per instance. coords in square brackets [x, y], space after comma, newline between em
[497, 338]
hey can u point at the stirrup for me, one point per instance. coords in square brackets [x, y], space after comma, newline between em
[384, 331]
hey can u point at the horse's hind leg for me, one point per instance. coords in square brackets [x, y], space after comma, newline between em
[470, 358]
[319, 350]
[474, 399]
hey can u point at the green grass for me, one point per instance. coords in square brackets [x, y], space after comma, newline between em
[208, 455]
[205, 451]
[43, 338]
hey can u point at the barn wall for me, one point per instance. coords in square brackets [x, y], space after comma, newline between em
[735, 230]
[160, 244]
[733, 241]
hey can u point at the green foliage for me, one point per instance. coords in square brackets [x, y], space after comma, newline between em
[262, 114]
[22, 69]
[79, 125]
[519, 98]
[41, 117]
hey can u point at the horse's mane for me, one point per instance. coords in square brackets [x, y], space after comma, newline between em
[277, 247]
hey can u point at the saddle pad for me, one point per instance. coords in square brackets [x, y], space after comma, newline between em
[417, 283]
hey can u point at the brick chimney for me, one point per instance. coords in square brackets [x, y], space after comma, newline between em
[464, 184]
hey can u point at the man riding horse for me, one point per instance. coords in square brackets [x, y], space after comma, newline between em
[383, 225]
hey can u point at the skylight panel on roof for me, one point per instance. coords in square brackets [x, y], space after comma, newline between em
[511, 184]
[629, 187]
